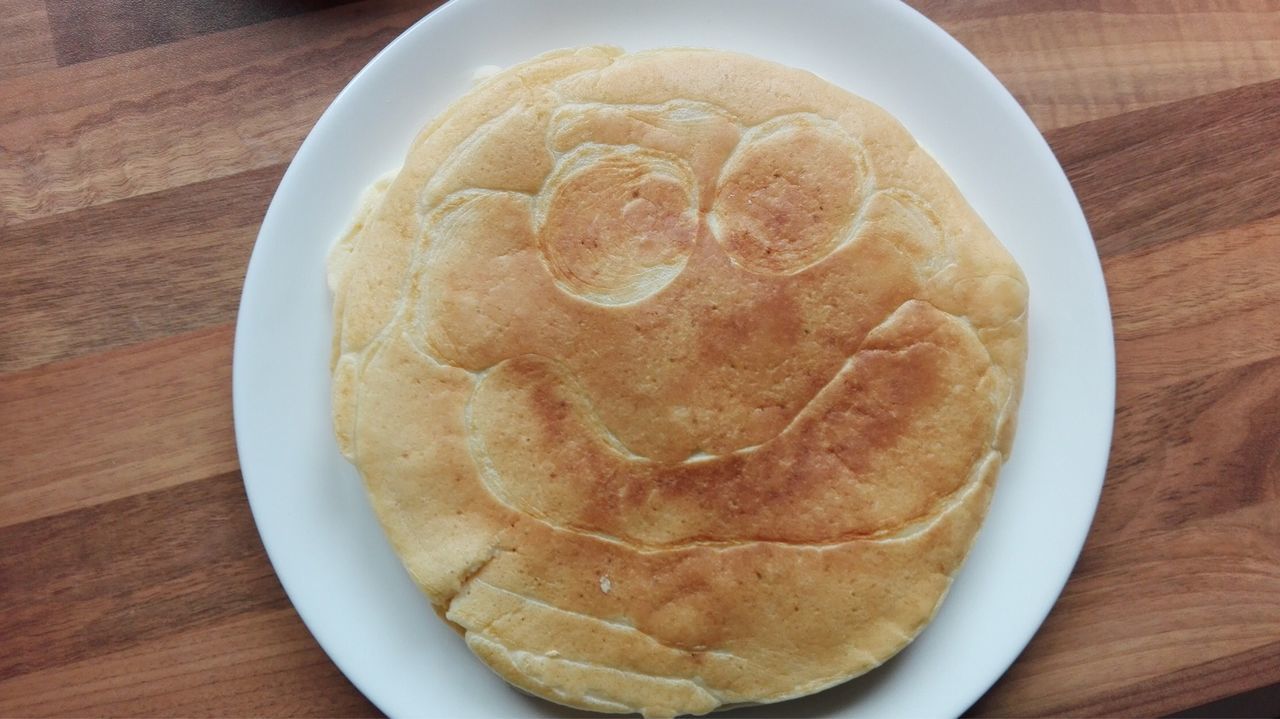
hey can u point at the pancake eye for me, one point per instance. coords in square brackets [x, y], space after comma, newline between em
[789, 194]
[617, 224]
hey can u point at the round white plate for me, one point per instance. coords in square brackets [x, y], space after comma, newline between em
[309, 504]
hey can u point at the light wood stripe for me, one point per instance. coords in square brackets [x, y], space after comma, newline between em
[88, 431]
[28, 44]
[1061, 59]
[172, 115]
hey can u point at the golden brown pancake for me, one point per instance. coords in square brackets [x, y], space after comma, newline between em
[678, 379]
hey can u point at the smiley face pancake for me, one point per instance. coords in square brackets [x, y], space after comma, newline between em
[677, 379]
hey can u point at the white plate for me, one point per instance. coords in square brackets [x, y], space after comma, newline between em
[316, 524]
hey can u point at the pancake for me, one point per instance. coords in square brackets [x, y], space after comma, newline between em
[678, 379]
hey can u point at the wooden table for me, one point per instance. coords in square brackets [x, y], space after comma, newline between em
[140, 143]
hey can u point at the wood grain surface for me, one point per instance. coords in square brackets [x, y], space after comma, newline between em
[141, 141]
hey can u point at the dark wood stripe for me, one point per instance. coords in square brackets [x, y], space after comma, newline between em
[261, 664]
[1263, 702]
[102, 579]
[1176, 170]
[1191, 451]
[129, 271]
[89, 30]
[944, 11]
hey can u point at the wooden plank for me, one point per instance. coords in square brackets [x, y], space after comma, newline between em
[180, 113]
[1206, 303]
[94, 581]
[1186, 168]
[1069, 63]
[1213, 680]
[1189, 522]
[1207, 627]
[80, 433]
[67, 88]
[262, 663]
[131, 578]
[1261, 702]
[27, 42]
[86, 31]
[1188, 525]
[128, 271]
[1192, 451]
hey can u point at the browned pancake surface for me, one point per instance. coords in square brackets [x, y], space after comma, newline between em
[678, 379]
